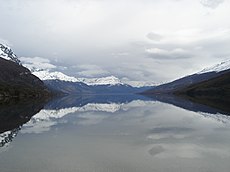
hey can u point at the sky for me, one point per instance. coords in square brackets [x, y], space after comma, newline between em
[135, 40]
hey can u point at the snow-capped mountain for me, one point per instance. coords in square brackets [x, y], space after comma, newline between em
[109, 80]
[46, 70]
[8, 54]
[204, 75]
[55, 75]
[15, 79]
[59, 82]
[47, 75]
[217, 68]
[7, 137]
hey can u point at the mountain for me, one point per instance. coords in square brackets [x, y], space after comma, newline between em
[210, 87]
[48, 75]
[16, 80]
[62, 83]
[214, 92]
[217, 68]
[109, 80]
[219, 86]
[45, 70]
[68, 87]
[204, 75]
[7, 53]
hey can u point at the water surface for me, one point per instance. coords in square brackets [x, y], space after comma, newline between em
[114, 134]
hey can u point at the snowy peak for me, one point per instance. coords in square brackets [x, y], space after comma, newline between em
[217, 68]
[45, 70]
[46, 75]
[110, 80]
[7, 53]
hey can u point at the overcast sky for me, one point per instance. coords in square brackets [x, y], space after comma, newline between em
[135, 40]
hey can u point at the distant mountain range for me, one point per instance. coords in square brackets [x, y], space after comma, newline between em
[47, 75]
[66, 87]
[16, 80]
[59, 82]
[20, 78]
[209, 87]
[202, 80]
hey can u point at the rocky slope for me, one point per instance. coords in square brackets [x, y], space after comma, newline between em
[16, 80]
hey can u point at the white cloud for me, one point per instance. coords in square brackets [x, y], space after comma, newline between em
[114, 35]
[37, 63]
[177, 53]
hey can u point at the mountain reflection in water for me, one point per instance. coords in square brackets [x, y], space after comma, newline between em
[114, 133]
[13, 114]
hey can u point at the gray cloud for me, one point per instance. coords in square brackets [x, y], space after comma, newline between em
[6, 42]
[211, 3]
[164, 54]
[156, 150]
[154, 36]
[135, 40]
[91, 71]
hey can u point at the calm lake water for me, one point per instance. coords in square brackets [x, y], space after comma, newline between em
[103, 135]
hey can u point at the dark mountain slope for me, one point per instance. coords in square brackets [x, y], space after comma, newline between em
[184, 82]
[214, 92]
[17, 81]
[218, 86]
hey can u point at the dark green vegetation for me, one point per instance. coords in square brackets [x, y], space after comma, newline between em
[218, 87]
[214, 92]
[211, 89]
[17, 81]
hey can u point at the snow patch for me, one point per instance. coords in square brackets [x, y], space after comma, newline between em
[217, 68]
[46, 75]
[7, 53]
[110, 80]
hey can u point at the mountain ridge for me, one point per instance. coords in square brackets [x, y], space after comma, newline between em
[7, 53]
[15, 79]
[196, 78]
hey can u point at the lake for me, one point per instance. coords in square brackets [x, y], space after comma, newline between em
[113, 134]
